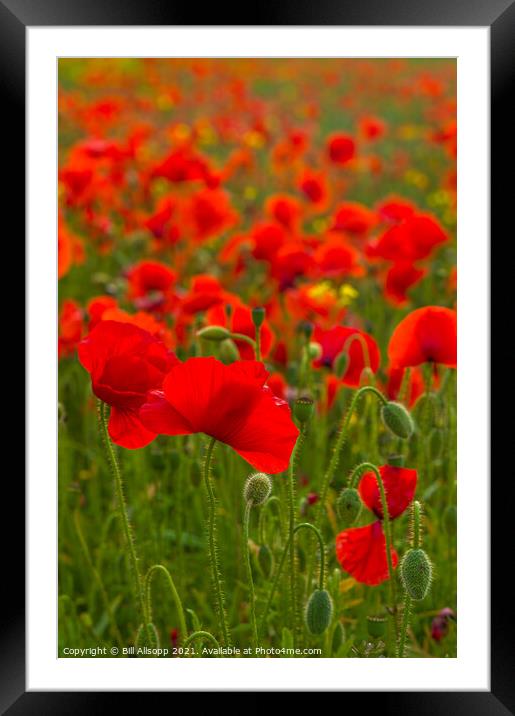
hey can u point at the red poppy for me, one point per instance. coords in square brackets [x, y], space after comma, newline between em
[148, 277]
[336, 257]
[354, 218]
[410, 240]
[372, 127]
[426, 335]
[399, 485]
[395, 379]
[314, 187]
[96, 308]
[267, 240]
[395, 209]
[341, 148]
[228, 402]
[401, 276]
[333, 342]
[125, 362]
[286, 210]
[361, 551]
[71, 326]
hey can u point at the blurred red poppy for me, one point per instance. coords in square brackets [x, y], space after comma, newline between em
[228, 402]
[426, 335]
[341, 148]
[333, 342]
[124, 363]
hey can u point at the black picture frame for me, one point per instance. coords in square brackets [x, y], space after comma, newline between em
[499, 16]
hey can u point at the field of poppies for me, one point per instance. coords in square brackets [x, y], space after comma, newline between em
[257, 358]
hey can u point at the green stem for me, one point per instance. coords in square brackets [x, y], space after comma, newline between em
[200, 635]
[105, 599]
[245, 339]
[404, 627]
[213, 547]
[356, 474]
[318, 534]
[123, 513]
[175, 596]
[291, 528]
[246, 519]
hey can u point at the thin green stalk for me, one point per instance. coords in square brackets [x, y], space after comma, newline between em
[245, 339]
[105, 599]
[213, 547]
[321, 579]
[246, 520]
[356, 474]
[404, 627]
[123, 514]
[175, 596]
[201, 635]
[291, 527]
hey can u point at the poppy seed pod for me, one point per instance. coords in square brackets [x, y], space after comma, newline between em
[348, 505]
[214, 333]
[416, 573]
[319, 611]
[258, 316]
[303, 409]
[341, 363]
[257, 488]
[397, 419]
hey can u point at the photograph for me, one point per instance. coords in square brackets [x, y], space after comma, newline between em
[257, 357]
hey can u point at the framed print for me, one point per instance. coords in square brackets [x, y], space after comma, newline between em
[258, 354]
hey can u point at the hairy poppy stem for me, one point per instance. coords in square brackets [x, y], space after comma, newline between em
[355, 475]
[201, 635]
[407, 599]
[175, 596]
[213, 547]
[291, 527]
[321, 579]
[246, 520]
[335, 458]
[123, 513]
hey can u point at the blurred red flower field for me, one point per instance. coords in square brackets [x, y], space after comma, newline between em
[257, 272]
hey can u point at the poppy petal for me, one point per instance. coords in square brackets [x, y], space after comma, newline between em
[158, 415]
[361, 551]
[399, 484]
[127, 430]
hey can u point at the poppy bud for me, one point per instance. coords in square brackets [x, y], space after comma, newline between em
[258, 316]
[229, 351]
[265, 561]
[348, 505]
[376, 626]
[314, 351]
[416, 573]
[303, 409]
[257, 488]
[338, 637]
[341, 363]
[319, 611]
[214, 333]
[397, 419]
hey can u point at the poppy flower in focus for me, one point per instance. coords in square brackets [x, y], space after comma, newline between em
[399, 484]
[230, 403]
[361, 551]
[341, 148]
[426, 335]
[333, 342]
[125, 362]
